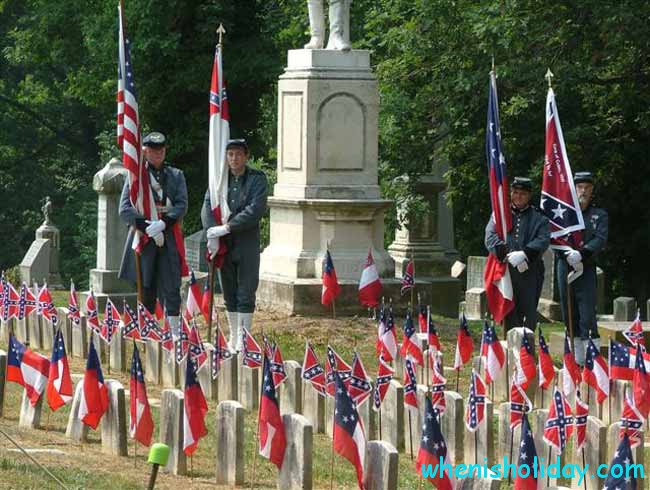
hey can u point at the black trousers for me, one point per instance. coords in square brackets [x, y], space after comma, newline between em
[164, 289]
[240, 276]
[583, 299]
[527, 288]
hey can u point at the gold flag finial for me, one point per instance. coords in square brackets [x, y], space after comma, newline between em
[220, 32]
[549, 75]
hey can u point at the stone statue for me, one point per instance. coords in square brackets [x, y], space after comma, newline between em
[47, 211]
[339, 16]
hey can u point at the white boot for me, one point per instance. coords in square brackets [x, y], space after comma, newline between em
[339, 14]
[235, 333]
[245, 321]
[175, 325]
[580, 350]
[316, 24]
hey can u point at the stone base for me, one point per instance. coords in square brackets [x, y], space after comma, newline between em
[303, 296]
[549, 310]
[106, 281]
[116, 298]
[475, 304]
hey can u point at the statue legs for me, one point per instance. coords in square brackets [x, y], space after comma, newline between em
[339, 25]
[316, 24]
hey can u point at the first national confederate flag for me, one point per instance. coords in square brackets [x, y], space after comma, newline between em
[498, 285]
[331, 287]
[349, 438]
[94, 399]
[141, 420]
[27, 368]
[527, 455]
[59, 383]
[195, 408]
[273, 441]
[369, 284]
[433, 450]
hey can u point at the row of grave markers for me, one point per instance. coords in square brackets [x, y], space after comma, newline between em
[238, 388]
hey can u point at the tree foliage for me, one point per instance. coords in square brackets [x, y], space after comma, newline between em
[432, 58]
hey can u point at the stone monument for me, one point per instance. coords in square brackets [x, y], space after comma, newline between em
[111, 235]
[429, 241]
[339, 17]
[327, 192]
[41, 262]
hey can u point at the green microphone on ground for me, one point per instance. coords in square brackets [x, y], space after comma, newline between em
[158, 456]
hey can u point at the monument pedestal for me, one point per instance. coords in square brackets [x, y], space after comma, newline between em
[111, 235]
[428, 240]
[327, 194]
[41, 262]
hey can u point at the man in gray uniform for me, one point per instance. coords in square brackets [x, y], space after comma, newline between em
[583, 257]
[247, 190]
[526, 243]
[162, 260]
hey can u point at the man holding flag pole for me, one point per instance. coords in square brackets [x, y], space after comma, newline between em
[233, 206]
[578, 233]
[516, 236]
[153, 201]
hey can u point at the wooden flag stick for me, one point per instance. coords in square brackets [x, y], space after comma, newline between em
[457, 379]
[332, 453]
[410, 433]
[512, 441]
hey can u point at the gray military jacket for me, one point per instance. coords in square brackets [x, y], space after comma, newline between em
[169, 263]
[594, 235]
[530, 233]
[247, 201]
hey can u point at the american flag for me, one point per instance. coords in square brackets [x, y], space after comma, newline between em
[129, 136]
[580, 422]
[217, 164]
[384, 377]
[559, 425]
[475, 411]
[624, 460]
[408, 281]
[559, 201]
[312, 371]
[498, 285]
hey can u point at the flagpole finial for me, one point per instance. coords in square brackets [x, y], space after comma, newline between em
[549, 76]
[220, 32]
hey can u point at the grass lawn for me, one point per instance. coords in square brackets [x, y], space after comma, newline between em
[84, 466]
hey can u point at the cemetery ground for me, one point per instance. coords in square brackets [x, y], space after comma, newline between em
[83, 465]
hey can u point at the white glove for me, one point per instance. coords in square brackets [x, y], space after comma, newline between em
[159, 239]
[523, 267]
[516, 258]
[213, 245]
[218, 231]
[573, 257]
[155, 227]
